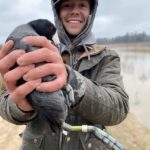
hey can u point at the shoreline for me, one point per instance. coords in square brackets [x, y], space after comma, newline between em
[131, 47]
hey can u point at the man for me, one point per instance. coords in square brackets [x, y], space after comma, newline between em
[92, 71]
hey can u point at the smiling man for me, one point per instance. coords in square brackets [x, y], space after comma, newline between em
[91, 70]
[74, 15]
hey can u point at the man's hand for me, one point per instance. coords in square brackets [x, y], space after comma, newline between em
[10, 77]
[47, 52]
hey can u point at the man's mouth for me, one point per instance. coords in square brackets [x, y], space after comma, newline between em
[74, 20]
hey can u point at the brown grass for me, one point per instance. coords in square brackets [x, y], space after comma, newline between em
[9, 135]
[139, 47]
[132, 134]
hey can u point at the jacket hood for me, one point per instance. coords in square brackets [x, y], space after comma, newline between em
[86, 37]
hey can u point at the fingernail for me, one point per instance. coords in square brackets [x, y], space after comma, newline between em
[37, 84]
[22, 52]
[20, 61]
[24, 39]
[39, 88]
[26, 78]
[10, 42]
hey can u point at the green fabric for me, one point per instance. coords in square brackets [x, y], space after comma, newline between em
[104, 103]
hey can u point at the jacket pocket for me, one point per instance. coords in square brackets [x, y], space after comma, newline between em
[90, 142]
[32, 142]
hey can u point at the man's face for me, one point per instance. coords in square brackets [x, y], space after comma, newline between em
[74, 15]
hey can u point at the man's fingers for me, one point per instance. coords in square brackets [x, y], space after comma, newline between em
[6, 48]
[52, 86]
[39, 41]
[14, 75]
[23, 90]
[24, 105]
[40, 55]
[8, 61]
[44, 70]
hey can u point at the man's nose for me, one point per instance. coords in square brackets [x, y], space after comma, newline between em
[75, 10]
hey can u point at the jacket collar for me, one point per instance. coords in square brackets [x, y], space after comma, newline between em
[89, 40]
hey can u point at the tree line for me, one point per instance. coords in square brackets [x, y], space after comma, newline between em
[127, 38]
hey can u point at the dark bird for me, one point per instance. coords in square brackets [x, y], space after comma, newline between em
[51, 106]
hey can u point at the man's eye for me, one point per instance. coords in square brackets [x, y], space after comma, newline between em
[67, 5]
[82, 5]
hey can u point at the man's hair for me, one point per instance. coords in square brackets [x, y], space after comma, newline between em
[92, 4]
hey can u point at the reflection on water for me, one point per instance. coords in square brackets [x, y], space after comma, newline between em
[136, 64]
[136, 74]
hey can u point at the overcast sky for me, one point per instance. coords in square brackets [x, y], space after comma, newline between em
[114, 17]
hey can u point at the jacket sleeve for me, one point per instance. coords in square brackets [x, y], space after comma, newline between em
[10, 112]
[101, 100]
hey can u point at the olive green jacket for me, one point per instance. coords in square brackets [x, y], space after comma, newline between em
[100, 100]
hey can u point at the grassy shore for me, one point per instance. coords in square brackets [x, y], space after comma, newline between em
[134, 47]
[132, 134]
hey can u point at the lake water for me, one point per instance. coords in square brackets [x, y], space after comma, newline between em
[136, 76]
